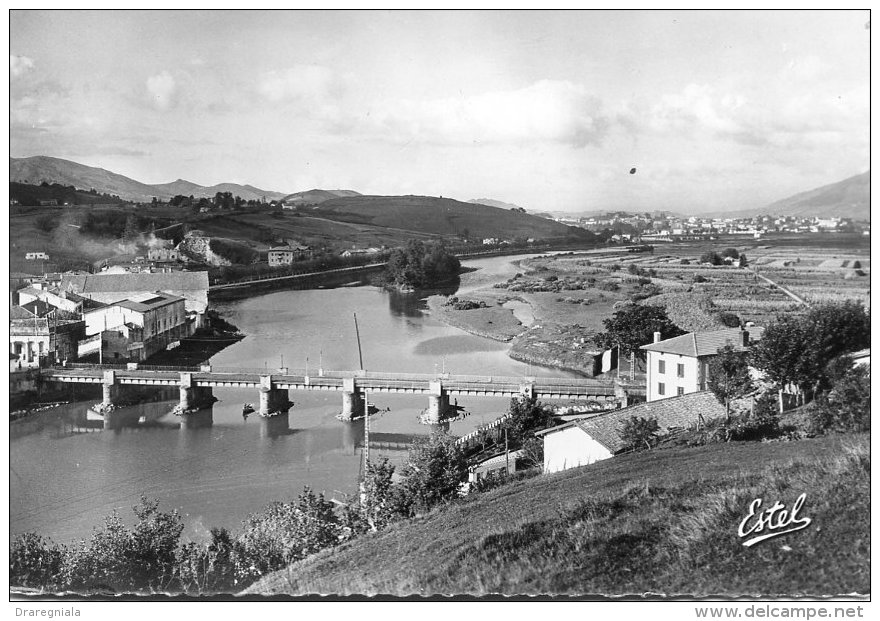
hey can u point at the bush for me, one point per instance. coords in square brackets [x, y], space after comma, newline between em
[731, 320]
[711, 257]
[34, 562]
[847, 407]
[640, 433]
[285, 532]
[116, 558]
[699, 278]
[435, 470]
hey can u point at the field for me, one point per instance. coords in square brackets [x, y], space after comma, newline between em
[663, 521]
[571, 294]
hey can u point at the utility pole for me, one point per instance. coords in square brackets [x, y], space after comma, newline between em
[506, 452]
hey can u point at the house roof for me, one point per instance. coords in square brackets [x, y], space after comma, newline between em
[672, 413]
[697, 344]
[140, 281]
[143, 302]
[17, 312]
[496, 459]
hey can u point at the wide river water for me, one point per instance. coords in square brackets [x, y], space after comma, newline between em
[67, 473]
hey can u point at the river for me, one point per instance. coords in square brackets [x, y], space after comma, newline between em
[67, 473]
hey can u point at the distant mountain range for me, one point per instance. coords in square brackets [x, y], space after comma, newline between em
[850, 198]
[35, 170]
[493, 203]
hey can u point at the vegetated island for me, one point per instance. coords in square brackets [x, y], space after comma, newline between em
[419, 265]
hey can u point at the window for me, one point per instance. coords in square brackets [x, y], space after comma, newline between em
[661, 366]
[680, 370]
[661, 388]
[679, 391]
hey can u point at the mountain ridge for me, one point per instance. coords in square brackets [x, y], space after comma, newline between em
[40, 168]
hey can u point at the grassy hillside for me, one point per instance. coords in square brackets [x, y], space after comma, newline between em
[441, 216]
[35, 170]
[313, 197]
[664, 521]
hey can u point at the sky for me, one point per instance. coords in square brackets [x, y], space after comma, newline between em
[549, 110]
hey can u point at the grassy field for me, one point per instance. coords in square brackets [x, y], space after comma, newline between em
[663, 521]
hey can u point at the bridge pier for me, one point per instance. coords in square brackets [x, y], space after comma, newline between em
[273, 401]
[438, 404]
[193, 398]
[109, 390]
[352, 400]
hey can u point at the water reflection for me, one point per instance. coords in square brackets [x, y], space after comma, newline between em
[412, 304]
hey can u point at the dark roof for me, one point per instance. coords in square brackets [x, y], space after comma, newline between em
[697, 344]
[141, 281]
[147, 301]
[675, 412]
[17, 312]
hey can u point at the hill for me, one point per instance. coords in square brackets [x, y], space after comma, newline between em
[314, 197]
[27, 194]
[850, 198]
[491, 202]
[40, 168]
[35, 170]
[442, 216]
[662, 521]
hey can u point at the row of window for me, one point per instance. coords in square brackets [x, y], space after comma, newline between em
[661, 389]
[661, 368]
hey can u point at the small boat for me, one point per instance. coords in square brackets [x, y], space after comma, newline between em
[247, 408]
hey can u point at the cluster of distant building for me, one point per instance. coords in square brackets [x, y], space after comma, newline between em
[661, 226]
[124, 317]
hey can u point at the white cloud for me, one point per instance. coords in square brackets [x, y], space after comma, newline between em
[161, 89]
[547, 111]
[19, 65]
[309, 83]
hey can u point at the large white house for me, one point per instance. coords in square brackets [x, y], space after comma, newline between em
[680, 365]
[586, 441]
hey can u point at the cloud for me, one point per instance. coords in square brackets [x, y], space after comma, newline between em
[547, 111]
[161, 88]
[306, 83]
[19, 65]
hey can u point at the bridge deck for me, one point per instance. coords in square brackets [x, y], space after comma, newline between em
[404, 383]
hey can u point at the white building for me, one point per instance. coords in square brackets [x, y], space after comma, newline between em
[36, 256]
[679, 366]
[586, 441]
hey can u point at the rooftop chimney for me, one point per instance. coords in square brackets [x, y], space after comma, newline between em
[656, 337]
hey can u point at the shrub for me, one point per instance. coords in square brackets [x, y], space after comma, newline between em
[435, 470]
[847, 407]
[285, 532]
[711, 257]
[731, 320]
[208, 569]
[609, 286]
[639, 433]
[143, 558]
[699, 278]
[34, 562]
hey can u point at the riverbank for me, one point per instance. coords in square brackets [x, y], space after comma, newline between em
[492, 322]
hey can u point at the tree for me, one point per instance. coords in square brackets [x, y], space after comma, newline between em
[797, 350]
[285, 532]
[375, 508]
[419, 265]
[34, 562]
[847, 407]
[711, 257]
[729, 376]
[526, 416]
[638, 432]
[433, 474]
[143, 558]
[633, 326]
[130, 233]
[733, 253]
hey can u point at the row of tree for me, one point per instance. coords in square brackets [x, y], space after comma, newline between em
[419, 265]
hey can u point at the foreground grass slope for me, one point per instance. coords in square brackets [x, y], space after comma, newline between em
[664, 521]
